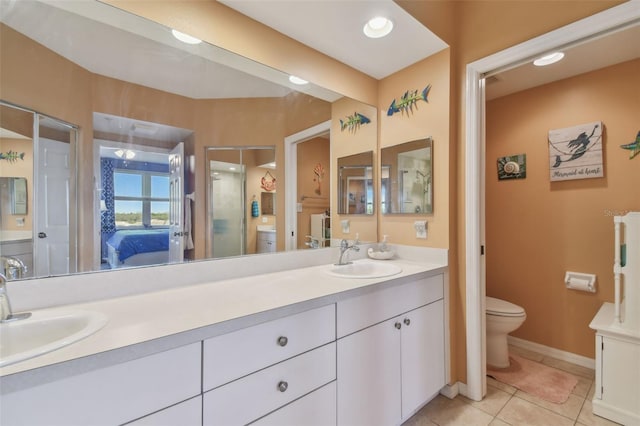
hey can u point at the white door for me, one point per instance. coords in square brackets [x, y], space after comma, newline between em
[369, 376]
[176, 203]
[51, 235]
[422, 356]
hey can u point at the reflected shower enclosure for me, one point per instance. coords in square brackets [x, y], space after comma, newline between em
[231, 183]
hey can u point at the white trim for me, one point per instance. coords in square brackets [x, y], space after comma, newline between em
[591, 26]
[291, 174]
[451, 391]
[576, 359]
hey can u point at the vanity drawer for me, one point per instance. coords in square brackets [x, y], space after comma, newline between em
[111, 395]
[258, 394]
[234, 355]
[187, 413]
[316, 409]
[363, 311]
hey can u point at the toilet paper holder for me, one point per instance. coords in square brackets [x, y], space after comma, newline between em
[580, 281]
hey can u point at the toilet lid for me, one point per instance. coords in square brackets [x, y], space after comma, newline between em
[502, 307]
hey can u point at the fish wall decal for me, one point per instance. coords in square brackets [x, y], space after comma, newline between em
[634, 146]
[409, 101]
[12, 156]
[353, 122]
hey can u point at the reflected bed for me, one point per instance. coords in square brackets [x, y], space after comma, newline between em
[138, 247]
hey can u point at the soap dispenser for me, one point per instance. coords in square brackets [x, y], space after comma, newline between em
[383, 245]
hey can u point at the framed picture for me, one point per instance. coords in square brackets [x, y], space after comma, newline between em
[512, 167]
[576, 152]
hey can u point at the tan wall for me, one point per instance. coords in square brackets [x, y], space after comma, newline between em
[473, 30]
[344, 143]
[537, 229]
[427, 119]
[317, 193]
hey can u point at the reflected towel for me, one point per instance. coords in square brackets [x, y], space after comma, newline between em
[188, 242]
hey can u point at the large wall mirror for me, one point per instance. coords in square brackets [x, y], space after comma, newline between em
[355, 184]
[406, 178]
[145, 109]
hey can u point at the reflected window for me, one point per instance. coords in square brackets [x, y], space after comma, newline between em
[141, 199]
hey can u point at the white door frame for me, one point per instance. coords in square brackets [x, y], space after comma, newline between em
[291, 174]
[592, 26]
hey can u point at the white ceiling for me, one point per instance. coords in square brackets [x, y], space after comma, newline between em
[600, 52]
[335, 29]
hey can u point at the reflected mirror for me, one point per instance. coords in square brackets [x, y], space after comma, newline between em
[406, 178]
[355, 184]
[147, 106]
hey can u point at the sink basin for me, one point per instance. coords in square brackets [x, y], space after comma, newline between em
[45, 331]
[365, 269]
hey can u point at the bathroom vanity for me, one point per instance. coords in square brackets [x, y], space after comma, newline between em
[292, 346]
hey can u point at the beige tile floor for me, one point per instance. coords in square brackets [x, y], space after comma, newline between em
[506, 405]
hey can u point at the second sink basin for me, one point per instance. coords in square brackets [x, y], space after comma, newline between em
[45, 331]
[365, 269]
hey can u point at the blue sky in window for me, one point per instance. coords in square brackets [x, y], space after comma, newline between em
[130, 185]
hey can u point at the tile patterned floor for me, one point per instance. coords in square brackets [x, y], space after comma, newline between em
[506, 405]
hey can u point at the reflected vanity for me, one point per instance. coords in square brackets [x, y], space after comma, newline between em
[355, 184]
[406, 178]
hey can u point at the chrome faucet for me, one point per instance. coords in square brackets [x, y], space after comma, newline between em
[314, 243]
[5, 307]
[345, 247]
[12, 267]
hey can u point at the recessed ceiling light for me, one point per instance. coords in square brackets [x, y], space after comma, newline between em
[378, 27]
[185, 38]
[297, 80]
[552, 58]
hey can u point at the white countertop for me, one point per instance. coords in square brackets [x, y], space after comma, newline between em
[604, 322]
[149, 322]
[11, 236]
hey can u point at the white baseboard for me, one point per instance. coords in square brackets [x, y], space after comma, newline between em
[451, 391]
[553, 352]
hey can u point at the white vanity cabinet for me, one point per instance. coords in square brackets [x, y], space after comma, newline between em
[112, 395]
[394, 362]
[617, 387]
[187, 413]
[266, 242]
[254, 371]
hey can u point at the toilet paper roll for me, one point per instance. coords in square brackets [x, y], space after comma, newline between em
[580, 283]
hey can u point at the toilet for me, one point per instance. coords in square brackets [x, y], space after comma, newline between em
[502, 318]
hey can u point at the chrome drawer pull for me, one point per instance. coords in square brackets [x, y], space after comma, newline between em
[407, 321]
[282, 386]
[398, 325]
[282, 341]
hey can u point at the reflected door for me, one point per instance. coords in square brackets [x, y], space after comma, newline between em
[51, 242]
[176, 209]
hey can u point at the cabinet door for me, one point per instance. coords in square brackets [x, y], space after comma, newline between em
[422, 352]
[369, 376]
[316, 409]
[621, 377]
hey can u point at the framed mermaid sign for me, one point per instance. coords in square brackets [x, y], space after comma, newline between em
[576, 152]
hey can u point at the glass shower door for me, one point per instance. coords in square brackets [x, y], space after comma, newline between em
[226, 212]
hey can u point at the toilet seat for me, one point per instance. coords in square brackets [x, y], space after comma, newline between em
[502, 308]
